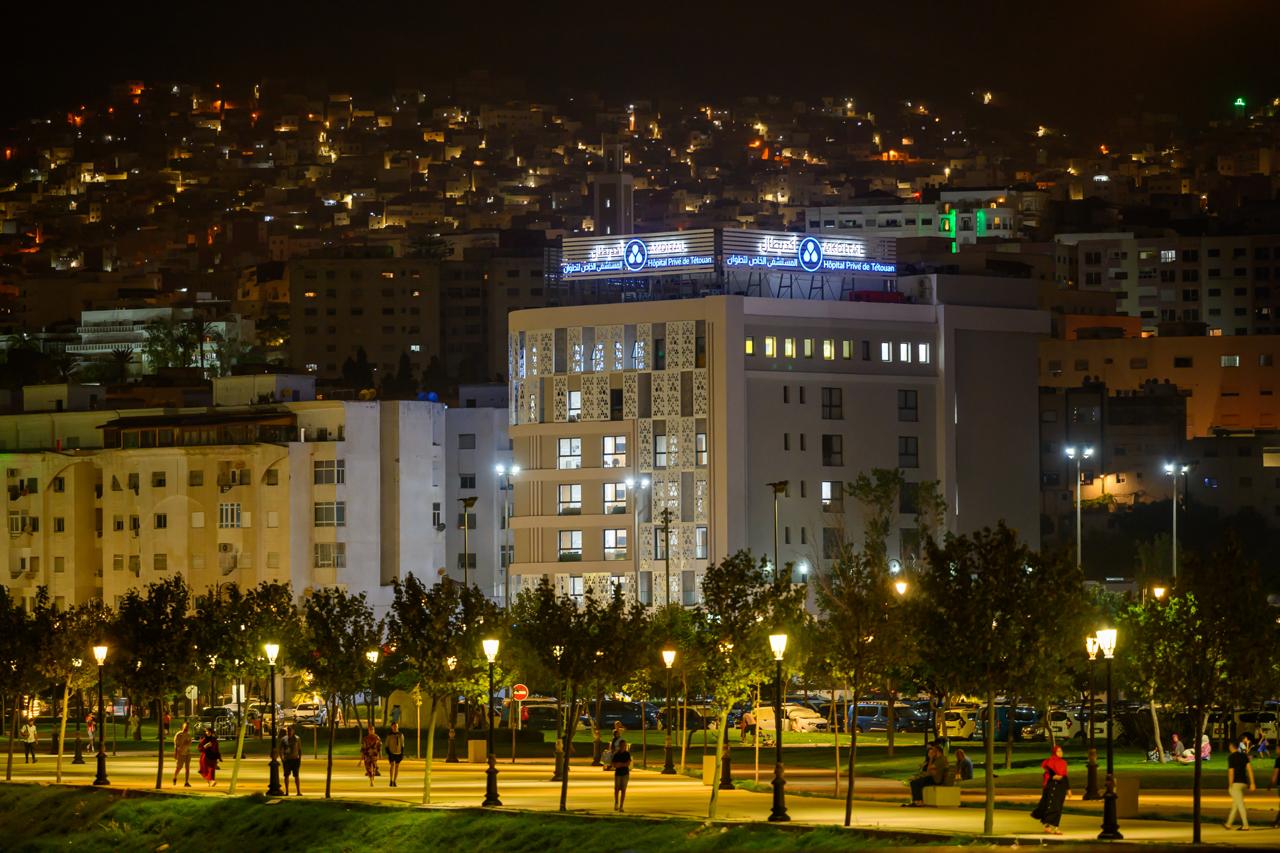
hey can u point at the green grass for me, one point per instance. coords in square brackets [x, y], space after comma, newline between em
[41, 818]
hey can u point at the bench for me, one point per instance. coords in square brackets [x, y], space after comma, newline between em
[946, 794]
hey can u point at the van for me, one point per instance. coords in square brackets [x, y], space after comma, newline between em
[959, 723]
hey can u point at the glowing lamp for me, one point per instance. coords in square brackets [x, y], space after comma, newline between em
[491, 649]
[778, 642]
[273, 651]
[669, 657]
[1107, 642]
[100, 654]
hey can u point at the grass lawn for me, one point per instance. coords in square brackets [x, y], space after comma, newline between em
[41, 818]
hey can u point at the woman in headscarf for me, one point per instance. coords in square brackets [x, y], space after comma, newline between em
[210, 755]
[370, 751]
[1206, 748]
[1054, 790]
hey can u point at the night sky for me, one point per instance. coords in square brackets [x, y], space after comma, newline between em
[1067, 59]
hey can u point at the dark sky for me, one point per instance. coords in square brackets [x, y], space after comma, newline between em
[1066, 58]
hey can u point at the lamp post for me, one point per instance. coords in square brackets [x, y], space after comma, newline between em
[1091, 787]
[557, 651]
[1173, 469]
[273, 786]
[665, 515]
[1110, 822]
[634, 489]
[79, 759]
[452, 758]
[1078, 457]
[778, 643]
[491, 774]
[507, 472]
[467, 504]
[779, 489]
[1158, 592]
[100, 655]
[726, 764]
[669, 767]
[372, 657]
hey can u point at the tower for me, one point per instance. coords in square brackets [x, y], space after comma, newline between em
[613, 208]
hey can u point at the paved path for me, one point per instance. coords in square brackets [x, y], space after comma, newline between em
[526, 785]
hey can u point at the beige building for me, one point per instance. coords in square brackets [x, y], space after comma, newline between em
[708, 401]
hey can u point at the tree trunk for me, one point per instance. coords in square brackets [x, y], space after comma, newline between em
[888, 691]
[1011, 706]
[755, 735]
[235, 767]
[562, 723]
[722, 743]
[989, 738]
[835, 737]
[1048, 726]
[853, 750]
[1195, 801]
[596, 746]
[644, 738]
[684, 717]
[1155, 726]
[13, 735]
[159, 743]
[355, 710]
[569, 726]
[328, 770]
[62, 727]
[431, 751]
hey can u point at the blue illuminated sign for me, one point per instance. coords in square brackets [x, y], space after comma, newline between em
[635, 256]
[810, 254]
[783, 252]
[602, 257]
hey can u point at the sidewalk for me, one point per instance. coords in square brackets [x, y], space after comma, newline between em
[526, 785]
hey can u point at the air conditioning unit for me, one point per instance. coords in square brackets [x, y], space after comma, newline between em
[226, 548]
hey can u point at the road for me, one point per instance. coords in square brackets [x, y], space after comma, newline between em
[526, 785]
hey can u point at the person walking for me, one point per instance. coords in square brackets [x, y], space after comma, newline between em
[370, 751]
[621, 774]
[395, 751]
[29, 739]
[291, 750]
[614, 740]
[1055, 787]
[90, 723]
[210, 755]
[182, 755]
[1239, 774]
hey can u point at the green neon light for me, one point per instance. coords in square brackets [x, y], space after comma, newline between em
[981, 221]
[1239, 102]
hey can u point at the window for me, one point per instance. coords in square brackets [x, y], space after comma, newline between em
[160, 521]
[688, 588]
[770, 346]
[575, 405]
[437, 517]
[908, 405]
[133, 482]
[846, 349]
[117, 562]
[570, 453]
[59, 484]
[135, 563]
[908, 451]
[786, 394]
[330, 514]
[786, 441]
[615, 498]
[789, 348]
[700, 449]
[829, 350]
[570, 545]
[466, 520]
[646, 588]
[615, 543]
[832, 496]
[1183, 361]
[197, 520]
[195, 478]
[909, 499]
[904, 352]
[59, 564]
[751, 345]
[228, 515]
[331, 555]
[808, 347]
[271, 477]
[833, 450]
[886, 351]
[1137, 364]
[615, 451]
[660, 451]
[701, 543]
[466, 441]
[570, 499]
[157, 479]
[575, 588]
[160, 562]
[922, 353]
[1231, 361]
[329, 471]
[832, 404]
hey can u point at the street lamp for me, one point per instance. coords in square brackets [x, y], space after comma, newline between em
[779, 489]
[634, 489]
[900, 587]
[372, 657]
[273, 786]
[1173, 469]
[1078, 457]
[561, 742]
[79, 759]
[452, 663]
[100, 655]
[1091, 787]
[1158, 592]
[726, 763]
[669, 767]
[778, 643]
[1110, 822]
[507, 472]
[467, 503]
[491, 775]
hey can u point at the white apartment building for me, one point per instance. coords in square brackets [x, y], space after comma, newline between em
[102, 332]
[963, 222]
[315, 493]
[710, 400]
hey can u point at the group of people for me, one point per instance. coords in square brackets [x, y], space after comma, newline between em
[371, 747]
[211, 757]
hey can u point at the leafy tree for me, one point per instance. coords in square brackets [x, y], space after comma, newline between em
[65, 650]
[169, 344]
[741, 606]
[339, 631]
[152, 632]
[622, 645]
[19, 647]
[358, 372]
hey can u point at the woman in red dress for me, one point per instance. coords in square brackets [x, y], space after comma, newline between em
[1054, 790]
[210, 755]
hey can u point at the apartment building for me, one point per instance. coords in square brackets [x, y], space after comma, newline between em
[1230, 283]
[317, 493]
[695, 406]
[963, 221]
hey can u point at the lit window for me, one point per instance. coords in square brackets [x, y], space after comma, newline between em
[331, 555]
[701, 540]
[660, 451]
[615, 498]
[904, 353]
[751, 345]
[415, 347]
[228, 515]
[808, 347]
[615, 544]
[789, 348]
[846, 349]
[330, 513]
[570, 453]
[570, 502]
[570, 545]
[922, 353]
[575, 405]
[886, 351]
[615, 451]
[700, 445]
[833, 496]
[1231, 361]
[829, 350]
[770, 346]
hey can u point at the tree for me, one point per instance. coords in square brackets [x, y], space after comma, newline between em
[64, 651]
[152, 632]
[339, 631]
[357, 372]
[19, 647]
[741, 606]
[169, 344]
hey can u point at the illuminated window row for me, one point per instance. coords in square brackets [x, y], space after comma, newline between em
[907, 351]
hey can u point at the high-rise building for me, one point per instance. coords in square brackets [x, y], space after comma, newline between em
[613, 209]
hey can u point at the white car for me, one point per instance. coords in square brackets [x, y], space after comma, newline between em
[310, 713]
[795, 718]
[1073, 723]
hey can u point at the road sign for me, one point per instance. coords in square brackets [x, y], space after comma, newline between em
[191, 692]
[519, 693]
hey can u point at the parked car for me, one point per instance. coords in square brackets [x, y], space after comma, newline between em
[221, 719]
[1070, 723]
[959, 723]
[311, 714]
[874, 716]
[1245, 722]
[796, 718]
[825, 709]
[628, 713]
[694, 719]
[1025, 722]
